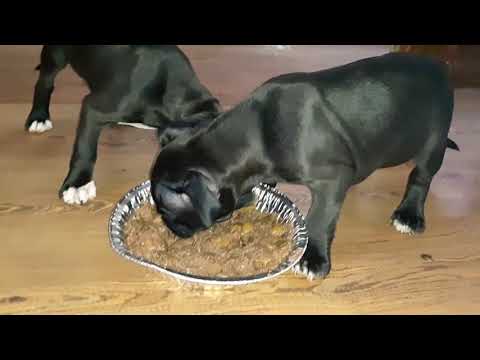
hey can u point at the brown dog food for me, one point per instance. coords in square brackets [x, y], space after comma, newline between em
[251, 243]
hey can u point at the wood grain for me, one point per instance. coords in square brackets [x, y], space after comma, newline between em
[56, 259]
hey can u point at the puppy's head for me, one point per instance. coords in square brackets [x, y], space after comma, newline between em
[189, 201]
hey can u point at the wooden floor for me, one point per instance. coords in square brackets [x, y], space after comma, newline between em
[56, 259]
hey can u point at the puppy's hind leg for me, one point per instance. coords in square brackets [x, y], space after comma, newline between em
[53, 60]
[409, 218]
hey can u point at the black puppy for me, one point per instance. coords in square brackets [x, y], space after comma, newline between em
[327, 130]
[154, 85]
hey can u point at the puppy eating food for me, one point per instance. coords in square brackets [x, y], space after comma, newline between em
[154, 85]
[327, 130]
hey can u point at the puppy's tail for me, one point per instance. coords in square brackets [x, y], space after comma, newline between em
[452, 145]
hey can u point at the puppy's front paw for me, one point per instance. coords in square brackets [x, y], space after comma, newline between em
[313, 265]
[408, 222]
[39, 127]
[81, 195]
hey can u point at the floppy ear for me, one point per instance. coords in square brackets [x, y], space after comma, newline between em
[204, 200]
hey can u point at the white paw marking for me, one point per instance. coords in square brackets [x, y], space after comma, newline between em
[402, 228]
[80, 196]
[39, 127]
[302, 269]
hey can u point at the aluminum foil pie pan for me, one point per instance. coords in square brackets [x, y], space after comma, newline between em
[268, 200]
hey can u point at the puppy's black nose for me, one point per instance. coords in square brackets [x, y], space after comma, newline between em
[178, 229]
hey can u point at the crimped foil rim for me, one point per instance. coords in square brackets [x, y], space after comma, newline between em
[268, 200]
